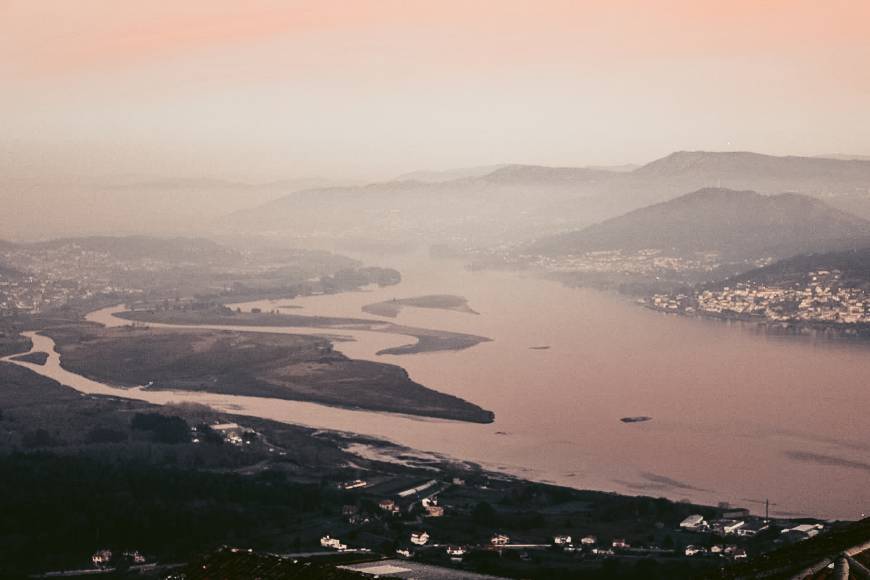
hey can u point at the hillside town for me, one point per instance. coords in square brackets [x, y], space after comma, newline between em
[21, 295]
[645, 262]
[424, 536]
[821, 297]
[41, 277]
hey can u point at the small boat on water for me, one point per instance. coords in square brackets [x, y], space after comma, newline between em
[639, 419]
[542, 347]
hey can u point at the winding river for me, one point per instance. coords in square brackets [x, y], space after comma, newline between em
[737, 416]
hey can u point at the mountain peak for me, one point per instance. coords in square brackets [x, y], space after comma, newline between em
[739, 223]
[745, 165]
[544, 174]
[680, 162]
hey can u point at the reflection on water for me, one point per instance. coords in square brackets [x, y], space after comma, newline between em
[735, 417]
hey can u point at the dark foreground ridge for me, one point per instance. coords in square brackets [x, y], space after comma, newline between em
[90, 475]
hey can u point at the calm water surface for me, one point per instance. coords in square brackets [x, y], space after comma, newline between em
[737, 416]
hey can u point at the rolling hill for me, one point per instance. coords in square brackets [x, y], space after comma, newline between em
[36, 210]
[841, 182]
[854, 265]
[133, 248]
[739, 225]
[425, 176]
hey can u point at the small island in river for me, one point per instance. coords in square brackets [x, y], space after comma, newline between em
[36, 357]
[282, 366]
[391, 308]
[427, 340]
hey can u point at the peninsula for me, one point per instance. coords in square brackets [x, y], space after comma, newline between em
[282, 366]
[427, 340]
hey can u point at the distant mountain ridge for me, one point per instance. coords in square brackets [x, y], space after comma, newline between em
[738, 224]
[126, 205]
[518, 202]
[425, 176]
[519, 174]
[748, 165]
[845, 156]
[509, 171]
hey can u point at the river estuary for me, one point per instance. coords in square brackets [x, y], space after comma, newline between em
[737, 416]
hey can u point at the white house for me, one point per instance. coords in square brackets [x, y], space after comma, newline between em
[692, 522]
[419, 538]
[334, 543]
[802, 532]
[728, 526]
[101, 558]
[500, 540]
[355, 484]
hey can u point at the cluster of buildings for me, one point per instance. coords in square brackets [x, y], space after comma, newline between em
[646, 262]
[739, 524]
[41, 277]
[231, 433]
[725, 551]
[588, 545]
[69, 259]
[32, 294]
[617, 546]
[730, 535]
[821, 297]
[328, 541]
[103, 559]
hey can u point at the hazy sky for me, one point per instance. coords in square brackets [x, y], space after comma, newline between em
[260, 90]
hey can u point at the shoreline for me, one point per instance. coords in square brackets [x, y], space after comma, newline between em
[831, 331]
[506, 470]
[512, 464]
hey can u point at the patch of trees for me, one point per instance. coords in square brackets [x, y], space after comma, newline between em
[349, 279]
[164, 428]
[37, 438]
[105, 435]
[56, 510]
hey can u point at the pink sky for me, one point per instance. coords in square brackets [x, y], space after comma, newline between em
[360, 87]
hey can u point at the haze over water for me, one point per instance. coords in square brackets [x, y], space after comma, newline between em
[737, 416]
